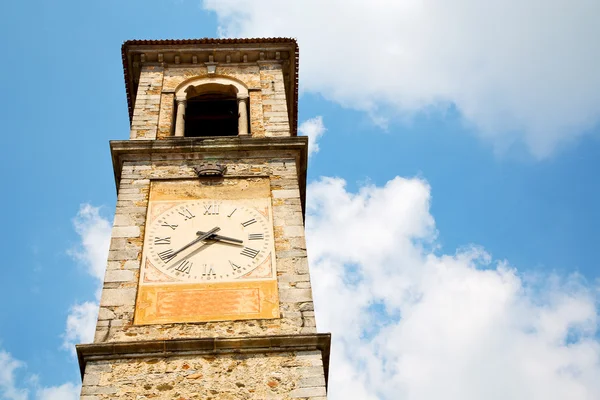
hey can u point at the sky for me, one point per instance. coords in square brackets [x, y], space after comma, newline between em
[452, 218]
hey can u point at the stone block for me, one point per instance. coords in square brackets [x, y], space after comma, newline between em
[295, 295]
[313, 381]
[132, 196]
[118, 297]
[98, 390]
[126, 231]
[293, 231]
[308, 392]
[308, 306]
[105, 314]
[91, 379]
[286, 194]
[132, 264]
[123, 275]
[122, 255]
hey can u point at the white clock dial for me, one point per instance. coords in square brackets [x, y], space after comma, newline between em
[207, 241]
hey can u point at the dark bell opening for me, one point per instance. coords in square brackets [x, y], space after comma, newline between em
[211, 115]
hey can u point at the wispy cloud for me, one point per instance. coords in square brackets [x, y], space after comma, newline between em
[8, 384]
[67, 391]
[95, 232]
[19, 388]
[517, 71]
[81, 324]
[410, 323]
[314, 129]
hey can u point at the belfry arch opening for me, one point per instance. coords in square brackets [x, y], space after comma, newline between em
[212, 107]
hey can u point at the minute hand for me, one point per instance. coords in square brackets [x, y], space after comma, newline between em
[199, 238]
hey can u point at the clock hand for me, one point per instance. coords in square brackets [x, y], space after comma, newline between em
[220, 237]
[198, 239]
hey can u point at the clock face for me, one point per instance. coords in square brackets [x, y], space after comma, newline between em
[208, 241]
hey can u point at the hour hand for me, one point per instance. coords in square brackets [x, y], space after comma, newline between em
[220, 237]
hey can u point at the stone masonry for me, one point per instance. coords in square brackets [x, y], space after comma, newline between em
[153, 116]
[287, 375]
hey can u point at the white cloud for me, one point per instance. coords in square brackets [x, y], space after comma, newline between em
[67, 391]
[95, 233]
[518, 71]
[12, 388]
[81, 325]
[409, 323]
[8, 386]
[314, 129]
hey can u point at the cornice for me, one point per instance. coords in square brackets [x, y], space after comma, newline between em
[123, 150]
[205, 346]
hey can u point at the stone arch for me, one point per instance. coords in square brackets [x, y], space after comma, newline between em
[197, 83]
[200, 86]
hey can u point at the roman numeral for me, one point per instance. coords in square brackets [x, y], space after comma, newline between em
[165, 240]
[169, 225]
[211, 209]
[232, 212]
[235, 267]
[248, 223]
[256, 236]
[184, 267]
[209, 271]
[248, 252]
[167, 255]
[186, 214]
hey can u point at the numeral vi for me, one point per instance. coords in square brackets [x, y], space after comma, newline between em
[209, 271]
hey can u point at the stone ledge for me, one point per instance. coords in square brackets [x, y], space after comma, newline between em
[205, 346]
[121, 149]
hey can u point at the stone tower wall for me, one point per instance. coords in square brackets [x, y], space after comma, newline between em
[279, 356]
[117, 304]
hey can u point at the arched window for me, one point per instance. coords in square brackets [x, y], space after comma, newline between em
[211, 107]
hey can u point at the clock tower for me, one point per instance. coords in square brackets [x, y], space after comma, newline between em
[207, 290]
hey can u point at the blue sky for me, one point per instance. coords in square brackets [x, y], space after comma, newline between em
[483, 124]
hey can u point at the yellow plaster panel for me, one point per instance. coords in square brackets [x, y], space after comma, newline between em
[161, 304]
[160, 301]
